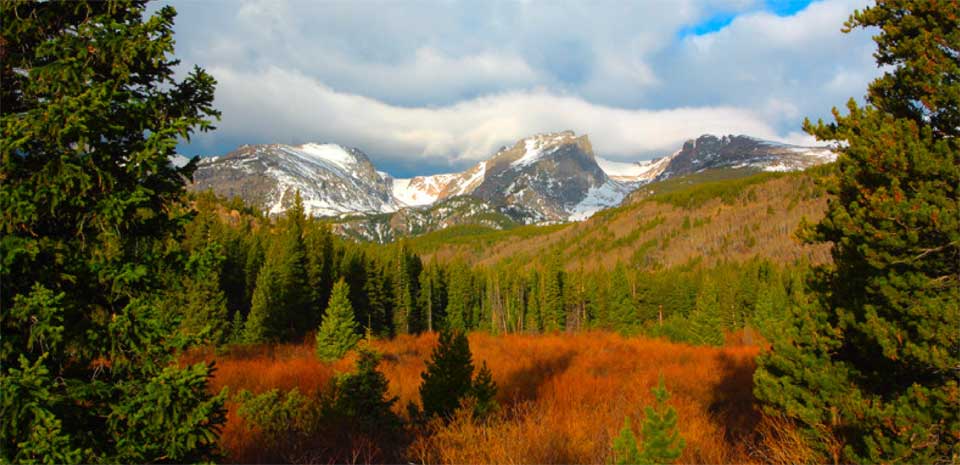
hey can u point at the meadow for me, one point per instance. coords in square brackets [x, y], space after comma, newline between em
[562, 398]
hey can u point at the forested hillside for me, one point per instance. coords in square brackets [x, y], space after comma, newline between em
[713, 217]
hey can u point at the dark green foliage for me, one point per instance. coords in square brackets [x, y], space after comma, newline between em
[339, 331]
[484, 391]
[449, 378]
[662, 443]
[621, 309]
[92, 211]
[406, 316]
[552, 309]
[287, 421]
[706, 325]
[265, 321]
[872, 363]
[360, 403]
[460, 298]
[201, 300]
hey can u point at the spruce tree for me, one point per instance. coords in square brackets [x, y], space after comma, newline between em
[621, 308]
[449, 374]
[484, 391]
[360, 400]
[339, 331]
[265, 321]
[91, 114]
[552, 309]
[202, 302]
[297, 315]
[459, 298]
[872, 363]
[662, 443]
[705, 325]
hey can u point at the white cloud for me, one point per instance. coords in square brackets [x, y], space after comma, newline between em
[285, 106]
[444, 83]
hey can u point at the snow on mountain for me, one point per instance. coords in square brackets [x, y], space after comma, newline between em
[331, 179]
[608, 194]
[634, 172]
[549, 177]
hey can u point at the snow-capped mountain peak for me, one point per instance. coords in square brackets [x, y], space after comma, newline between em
[548, 177]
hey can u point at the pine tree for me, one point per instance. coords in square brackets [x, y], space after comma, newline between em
[484, 391]
[459, 298]
[872, 363]
[318, 242]
[265, 321]
[552, 309]
[339, 331]
[625, 450]
[297, 315]
[662, 443]
[621, 308]
[90, 114]
[448, 377]
[705, 323]
[203, 303]
[360, 400]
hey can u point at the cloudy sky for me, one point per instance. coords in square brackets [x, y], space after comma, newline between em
[426, 87]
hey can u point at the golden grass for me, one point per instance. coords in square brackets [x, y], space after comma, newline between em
[562, 396]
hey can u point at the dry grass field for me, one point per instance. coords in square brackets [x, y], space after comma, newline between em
[562, 397]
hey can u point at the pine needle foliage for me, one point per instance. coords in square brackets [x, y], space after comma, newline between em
[92, 209]
[872, 364]
[339, 331]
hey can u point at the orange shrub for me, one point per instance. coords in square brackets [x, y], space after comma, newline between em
[562, 396]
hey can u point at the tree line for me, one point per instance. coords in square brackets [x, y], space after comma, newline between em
[253, 279]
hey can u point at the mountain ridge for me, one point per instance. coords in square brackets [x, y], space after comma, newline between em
[545, 178]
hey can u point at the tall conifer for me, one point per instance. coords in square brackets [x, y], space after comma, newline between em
[873, 363]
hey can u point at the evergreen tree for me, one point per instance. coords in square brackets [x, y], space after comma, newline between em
[662, 443]
[533, 320]
[265, 321]
[484, 391]
[625, 450]
[360, 400]
[429, 298]
[459, 298]
[297, 315]
[448, 377]
[873, 362]
[236, 328]
[318, 242]
[552, 309]
[705, 324]
[405, 315]
[339, 331]
[90, 115]
[377, 296]
[202, 303]
[620, 305]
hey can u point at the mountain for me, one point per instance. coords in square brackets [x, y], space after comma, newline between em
[332, 179]
[709, 151]
[545, 178]
[452, 211]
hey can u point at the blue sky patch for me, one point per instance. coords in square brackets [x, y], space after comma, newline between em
[719, 21]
